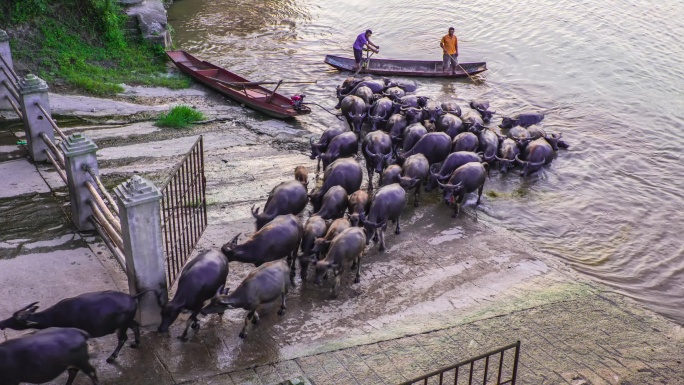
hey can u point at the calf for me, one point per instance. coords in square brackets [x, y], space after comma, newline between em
[387, 204]
[390, 175]
[98, 314]
[344, 145]
[524, 119]
[315, 228]
[465, 179]
[451, 163]
[337, 226]
[359, 203]
[334, 203]
[413, 173]
[343, 172]
[347, 247]
[286, 198]
[198, 282]
[266, 284]
[42, 356]
[301, 174]
[377, 149]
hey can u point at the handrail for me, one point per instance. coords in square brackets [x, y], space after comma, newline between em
[9, 68]
[115, 250]
[14, 84]
[54, 163]
[102, 188]
[106, 225]
[11, 91]
[52, 122]
[14, 106]
[54, 149]
[103, 207]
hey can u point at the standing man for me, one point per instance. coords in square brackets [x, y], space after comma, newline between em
[449, 46]
[363, 42]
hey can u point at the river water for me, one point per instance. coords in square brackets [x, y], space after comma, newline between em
[607, 73]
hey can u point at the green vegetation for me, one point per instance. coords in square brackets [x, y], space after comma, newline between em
[82, 45]
[179, 117]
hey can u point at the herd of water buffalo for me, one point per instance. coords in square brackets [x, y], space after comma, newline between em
[412, 141]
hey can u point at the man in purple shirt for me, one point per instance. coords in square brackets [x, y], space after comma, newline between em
[363, 42]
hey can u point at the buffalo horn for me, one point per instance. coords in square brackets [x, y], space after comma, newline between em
[235, 239]
[517, 158]
[255, 213]
[29, 306]
[368, 151]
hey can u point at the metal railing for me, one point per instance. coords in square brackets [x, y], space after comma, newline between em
[12, 87]
[474, 373]
[184, 210]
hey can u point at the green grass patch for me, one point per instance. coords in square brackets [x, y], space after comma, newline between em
[179, 117]
[81, 45]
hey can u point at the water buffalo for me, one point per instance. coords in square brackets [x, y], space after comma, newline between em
[315, 228]
[334, 203]
[99, 314]
[413, 114]
[390, 175]
[518, 133]
[394, 93]
[432, 111]
[436, 146]
[508, 151]
[354, 109]
[377, 149]
[407, 87]
[286, 198]
[387, 204]
[265, 284]
[465, 141]
[450, 124]
[198, 282]
[336, 227]
[365, 93]
[318, 148]
[347, 247]
[395, 127]
[465, 179]
[350, 82]
[488, 144]
[452, 162]
[555, 141]
[534, 132]
[344, 145]
[359, 203]
[345, 172]
[451, 108]
[376, 86]
[301, 174]
[380, 111]
[40, 357]
[482, 107]
[412, 101]
[524, 119]
[414, 171]
[472, 121]
[537, 153]
[412, 135]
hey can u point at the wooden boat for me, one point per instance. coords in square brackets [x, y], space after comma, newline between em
[251, 94]
[414, 68]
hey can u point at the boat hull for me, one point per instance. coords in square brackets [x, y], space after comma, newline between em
[409, 68]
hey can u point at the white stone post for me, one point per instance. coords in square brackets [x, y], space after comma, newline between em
[80, 151]
[5, 82]
[140, 214]
[34, 90]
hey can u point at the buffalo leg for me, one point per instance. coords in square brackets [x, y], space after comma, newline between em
[370, 179]
[381, 230]
[192, 321]
[397, 230]
[256, 319]
[243, 333]
[336, 286]
[136, 333]
[121, 334]
[479, 194]
[292, 261]
[375, 235]
[281, 311]
[357, 261]
[417, 194]
[72, 375]
[86, 368]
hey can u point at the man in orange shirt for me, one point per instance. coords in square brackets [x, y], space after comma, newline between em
[449, 46]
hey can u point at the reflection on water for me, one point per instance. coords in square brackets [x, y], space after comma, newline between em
[607, 73]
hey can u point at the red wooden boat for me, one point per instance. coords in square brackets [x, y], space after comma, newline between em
[414, 68]
[240, 89]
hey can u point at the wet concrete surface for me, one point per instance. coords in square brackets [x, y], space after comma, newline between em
[445, 289]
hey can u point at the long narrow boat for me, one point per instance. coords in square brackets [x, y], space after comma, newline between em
[238, 88]
[414, 68]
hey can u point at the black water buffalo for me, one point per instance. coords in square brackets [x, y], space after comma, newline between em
[318, 148]
[99, 314]
[432, 111]
[451, 108]
[412, 135]
[413, 114]
[524, 119]
[376, 86]
[508, 151]
[450, 124]
[346, 247]
[377, 149]
[518, 134]
[335, 228]
[472, 121]
[452, 162]
[555, 141]
[536, 154]
[394, 93]
[380, 112]
[359, 203]
[482, 107]
[334, 203]
[365, 93]
[390, 175]
[301, 174]
[265, 284]
[465, 141]
[387, 204]
[414, 171]
[408, 87]
[349, 83]
[488, 144]
[42, 356]
[395, 127]
[345, 172]
[286, 198]
[535, 132]
[412, 101]
[344, 145]
[198, 282]
[436, 146]
[315, 228]
[465, 179]
[354, 109]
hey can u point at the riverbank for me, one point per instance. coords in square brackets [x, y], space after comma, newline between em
[446, 289]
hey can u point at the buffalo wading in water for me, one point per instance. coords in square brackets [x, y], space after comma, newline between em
[535, 155]
[465, 179]
[435, 146]
[465, 141]
[442, 172]
[377, 149]
[524, 119]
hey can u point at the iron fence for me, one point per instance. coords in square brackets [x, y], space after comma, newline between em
[476, 370]
[184, 210]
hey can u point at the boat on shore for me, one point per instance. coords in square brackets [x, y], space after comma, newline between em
[412, 68]
[246, 92]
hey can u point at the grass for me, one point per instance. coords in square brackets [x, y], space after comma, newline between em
[180, 116]
[81, 45]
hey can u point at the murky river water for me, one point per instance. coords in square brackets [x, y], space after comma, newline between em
[607, 73]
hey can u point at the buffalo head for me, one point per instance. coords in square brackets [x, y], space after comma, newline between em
[21, 319]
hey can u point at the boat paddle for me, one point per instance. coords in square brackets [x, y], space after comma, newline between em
[462, 69]
[364, 63]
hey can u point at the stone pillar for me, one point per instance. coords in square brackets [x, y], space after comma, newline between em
[34, 90]
[7, 55]
[140, 214]
[78, 152]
